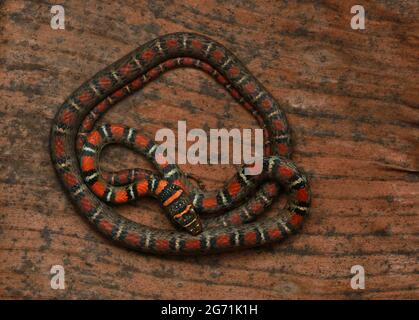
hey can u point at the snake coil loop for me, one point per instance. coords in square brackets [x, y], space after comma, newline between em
[75, 149]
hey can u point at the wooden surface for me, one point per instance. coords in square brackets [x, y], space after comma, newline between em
[351, 98]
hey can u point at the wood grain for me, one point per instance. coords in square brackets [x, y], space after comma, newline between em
[351, 97]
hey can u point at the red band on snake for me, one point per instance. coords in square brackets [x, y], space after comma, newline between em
[75, 149]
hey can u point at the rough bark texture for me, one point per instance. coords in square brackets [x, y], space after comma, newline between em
[351, 97]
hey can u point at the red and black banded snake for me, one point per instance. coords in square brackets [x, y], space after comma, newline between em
[75, 148]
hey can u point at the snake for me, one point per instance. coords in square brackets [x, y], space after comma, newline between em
[204, 222]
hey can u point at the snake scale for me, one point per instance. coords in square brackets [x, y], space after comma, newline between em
[215, 221]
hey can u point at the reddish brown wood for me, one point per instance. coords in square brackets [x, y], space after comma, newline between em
[351, 98]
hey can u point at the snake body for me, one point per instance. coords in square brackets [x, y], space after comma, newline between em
[75, 149]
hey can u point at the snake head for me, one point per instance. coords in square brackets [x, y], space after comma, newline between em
[188, 220]
[194, 226]
[179, 208]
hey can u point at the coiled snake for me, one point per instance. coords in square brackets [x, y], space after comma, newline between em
[75, 148]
